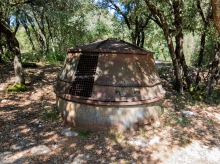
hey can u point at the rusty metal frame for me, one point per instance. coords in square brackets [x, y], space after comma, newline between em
[70, 97]
[137, 52]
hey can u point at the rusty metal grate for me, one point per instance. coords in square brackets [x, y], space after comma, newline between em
[84, 77]
[87, 65]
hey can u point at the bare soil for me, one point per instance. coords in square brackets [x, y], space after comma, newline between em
[21, 113]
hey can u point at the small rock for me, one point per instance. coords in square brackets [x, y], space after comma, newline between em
[15, 134]
[138, 142]
[180, 119]
[169, 93]
[189, 113]
[3, 101]
[113, 158]
[54, 146]
[154, 140]
[121, 155]
[1, 89]
[40, 126]
[217, 116]
[79, 159]
[156, 124]
[88, 157]
[37, 122]
[39, 150]
[68, 133]
[22, 144]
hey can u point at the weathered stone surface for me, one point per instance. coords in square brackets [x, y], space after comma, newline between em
[138, 142]
[97, 117]
[39, 150]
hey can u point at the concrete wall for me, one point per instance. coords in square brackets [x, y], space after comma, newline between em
[104, 117]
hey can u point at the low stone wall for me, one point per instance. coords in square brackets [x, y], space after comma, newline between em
[105, 117]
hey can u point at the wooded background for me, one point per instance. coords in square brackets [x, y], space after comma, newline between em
[185, 33]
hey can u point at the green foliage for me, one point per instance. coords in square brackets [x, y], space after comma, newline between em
[8, 56]
[197, 92]
[55, 56]
[50, 114]
[83, 134]
[17, 87]
[142, 133]
[184, 139]
[115, 136]
[183, 121]
[213, 98]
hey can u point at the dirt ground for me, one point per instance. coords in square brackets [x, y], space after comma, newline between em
[23, 129]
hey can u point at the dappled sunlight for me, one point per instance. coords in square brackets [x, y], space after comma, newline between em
[24, 133]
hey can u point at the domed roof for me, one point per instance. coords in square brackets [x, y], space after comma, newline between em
[111, 45]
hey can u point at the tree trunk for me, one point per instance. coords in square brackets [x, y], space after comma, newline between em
[37, 35]
[165, 28]
[42, 34]
[176, 65]
[205, 20]
[142, 39]
[29, 36]
[19, 77]
[216, 14]
[1, 49]
[1, 54]
[178, 23]
[201, 54]
[214, 71]
[181, 58]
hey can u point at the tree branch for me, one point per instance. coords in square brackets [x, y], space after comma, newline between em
[124, 16]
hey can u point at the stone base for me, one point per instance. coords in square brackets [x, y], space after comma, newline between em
[105, 117]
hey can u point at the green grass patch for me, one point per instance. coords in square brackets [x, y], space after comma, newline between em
[115, 136]
[83, 134]
[50, 114]
[17, 87]
[183, 121]
[184, 139]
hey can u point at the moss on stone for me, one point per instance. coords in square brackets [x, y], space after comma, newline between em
[17, 87]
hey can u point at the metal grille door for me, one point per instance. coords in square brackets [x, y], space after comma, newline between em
[84, 77]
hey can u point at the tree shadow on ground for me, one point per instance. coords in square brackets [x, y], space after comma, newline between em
[20, 120]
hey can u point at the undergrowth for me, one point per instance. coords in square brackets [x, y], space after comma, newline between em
[83, 134]
[50, 114]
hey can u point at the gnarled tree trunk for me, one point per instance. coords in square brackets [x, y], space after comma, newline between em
[216, 13]
[1, 53]
[205, 20]
[1, 49]
[19, 77]
[178, 23]
[214, 71]
[165, 28]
